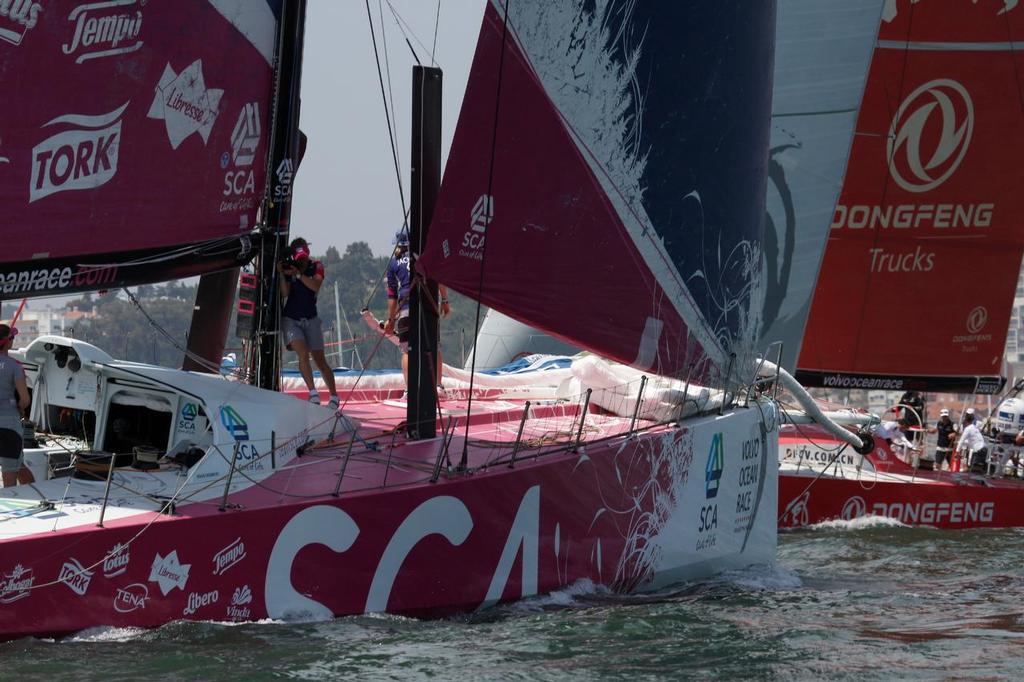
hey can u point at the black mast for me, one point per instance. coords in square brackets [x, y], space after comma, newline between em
[423, 300]
[284, 161]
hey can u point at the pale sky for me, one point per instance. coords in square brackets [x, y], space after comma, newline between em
[346, 189]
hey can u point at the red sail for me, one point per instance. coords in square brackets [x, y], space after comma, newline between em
[130, 131]
[919, 274]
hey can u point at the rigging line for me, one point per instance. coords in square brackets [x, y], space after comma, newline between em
[387, 113]
[393, 130]
[437, 21]
[483, 251]
[170, 338]
[407, 31]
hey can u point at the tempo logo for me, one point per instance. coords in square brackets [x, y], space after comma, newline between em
[104, 29]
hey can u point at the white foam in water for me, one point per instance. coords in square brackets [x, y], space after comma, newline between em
[107, 633]
[764, 577]
[564, 597]
[859, 523]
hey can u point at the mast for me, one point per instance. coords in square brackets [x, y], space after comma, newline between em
[284, 157]
[423, 299]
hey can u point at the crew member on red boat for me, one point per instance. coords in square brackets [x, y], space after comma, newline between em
[301, 279]
[14, 399]
[911, 409]
[945, 430]
[973, 443]
[893, 434]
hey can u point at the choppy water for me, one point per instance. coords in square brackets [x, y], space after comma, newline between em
[845, 600]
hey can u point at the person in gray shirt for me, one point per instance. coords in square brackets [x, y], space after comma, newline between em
[14, 400]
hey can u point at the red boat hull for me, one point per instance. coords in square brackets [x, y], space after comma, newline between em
[887, 487]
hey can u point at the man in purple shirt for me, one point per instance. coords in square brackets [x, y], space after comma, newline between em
[399, 282]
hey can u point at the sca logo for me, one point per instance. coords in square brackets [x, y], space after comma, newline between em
[187, 422]
[713, 469]
[234, 423]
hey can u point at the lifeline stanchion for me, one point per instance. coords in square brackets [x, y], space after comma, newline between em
[231, 474]
[583, 418]
[636, 408]
[445, 430]
[334, 426]
[725, 388]
[391, 450]
[344, 463]
[273, 450]
[686, 388]
[106, 490]
[519, 435]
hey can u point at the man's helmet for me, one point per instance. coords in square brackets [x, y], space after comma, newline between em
[402, 238]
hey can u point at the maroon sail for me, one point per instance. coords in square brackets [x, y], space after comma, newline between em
[617, 198]
[133, 139]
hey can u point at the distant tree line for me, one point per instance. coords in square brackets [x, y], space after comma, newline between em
[121, 330]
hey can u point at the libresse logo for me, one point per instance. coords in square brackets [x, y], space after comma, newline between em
[167, 572]
[84, 156]
[18, 17]
[185, 104]
[930, 134]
